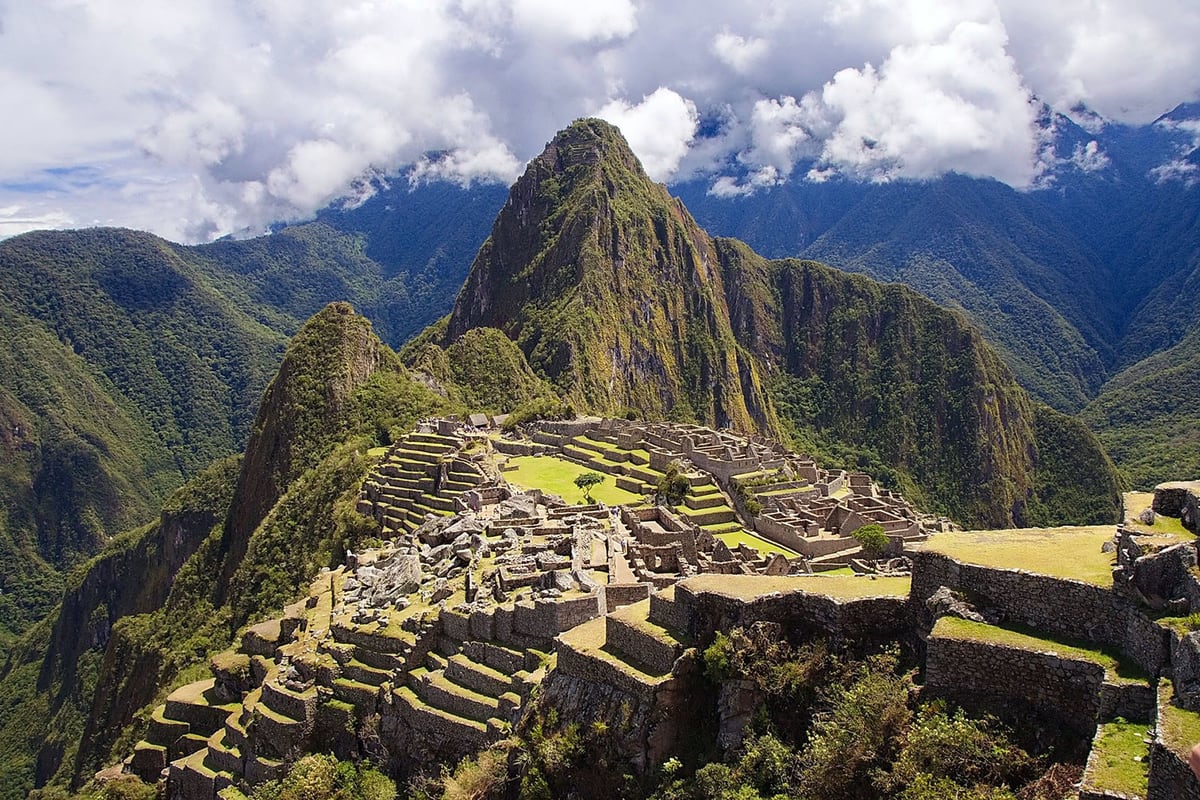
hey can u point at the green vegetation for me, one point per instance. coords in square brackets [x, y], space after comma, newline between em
[743, 536]
[557, 476]
[1178, 727]
[840, 587]
[586, 482]
[1068, 552]
[955, 628]
[673, 486]
[1120, 759]
[323, 777]
[339, 394]
[871, 538]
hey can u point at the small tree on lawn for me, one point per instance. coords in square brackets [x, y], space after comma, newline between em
[586, 481]
[871, 538]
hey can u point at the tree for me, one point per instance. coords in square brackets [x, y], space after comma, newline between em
[872, 538]
[586, 481]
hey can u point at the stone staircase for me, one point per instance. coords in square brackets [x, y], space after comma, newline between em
[470, 693]
[421, 475]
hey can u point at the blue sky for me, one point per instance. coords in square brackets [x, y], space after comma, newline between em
[198, 118]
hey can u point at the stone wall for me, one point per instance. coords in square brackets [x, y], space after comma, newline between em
[623, 594]
[1060, 607]
[991, 678]
[1179, 499]
[862, 620]
[1170, 776]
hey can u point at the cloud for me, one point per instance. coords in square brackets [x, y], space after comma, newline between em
[198, 118]
[659, 129]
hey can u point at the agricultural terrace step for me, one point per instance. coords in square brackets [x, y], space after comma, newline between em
[718, 528]
[629, 631]
[355, 670]
[221, 757]
[384, 662]
[191, 704]
[260, 769]
[190, 777]
[356, 693]
[647, 474]
[708, 516]
[186, 745]
[415, 454]
[457, 487]
[165, 731]
[710, 500]
[439, 503]
[423, 716]
[477, 677]
[438, 691]
[704, 490]
[148, 761]
[582, 653]
[500, 658]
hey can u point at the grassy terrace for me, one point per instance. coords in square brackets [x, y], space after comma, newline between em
[1066, 552]
[1169, 528]
[839, 587]
[555, 475]
[749, 539]
[1112, 766]
[966, 630]
[1178, 727]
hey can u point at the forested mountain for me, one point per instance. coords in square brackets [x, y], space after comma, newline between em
[615, 294]
[1075, 281]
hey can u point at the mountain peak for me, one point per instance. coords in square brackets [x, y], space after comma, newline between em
[586, 142]
[609, 287]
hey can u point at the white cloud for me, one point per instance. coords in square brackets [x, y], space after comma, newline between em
[1088, 157]
[740, 53]
[196, 118]
[595, 20]
[659, 129]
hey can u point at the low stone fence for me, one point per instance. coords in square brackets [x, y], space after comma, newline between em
[624, 594]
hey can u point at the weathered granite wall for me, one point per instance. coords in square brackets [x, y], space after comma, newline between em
[1058, 606]
[623, 594]
[860, 620]
[992, 678]
[1170, 776]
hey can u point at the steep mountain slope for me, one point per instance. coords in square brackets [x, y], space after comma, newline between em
[1073, 281]
[611, 289]
[163, 597]
[614, 294]
[122, 371]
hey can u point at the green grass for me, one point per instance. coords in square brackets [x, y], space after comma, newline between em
[967, 630]
[1178, 727]
[840, 587]
[1069, 552]
[556, 475]
[1113, 767]
[760, 544]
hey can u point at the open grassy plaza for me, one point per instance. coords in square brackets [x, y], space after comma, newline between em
[557, 475]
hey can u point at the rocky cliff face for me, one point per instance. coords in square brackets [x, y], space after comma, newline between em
[614, 293]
